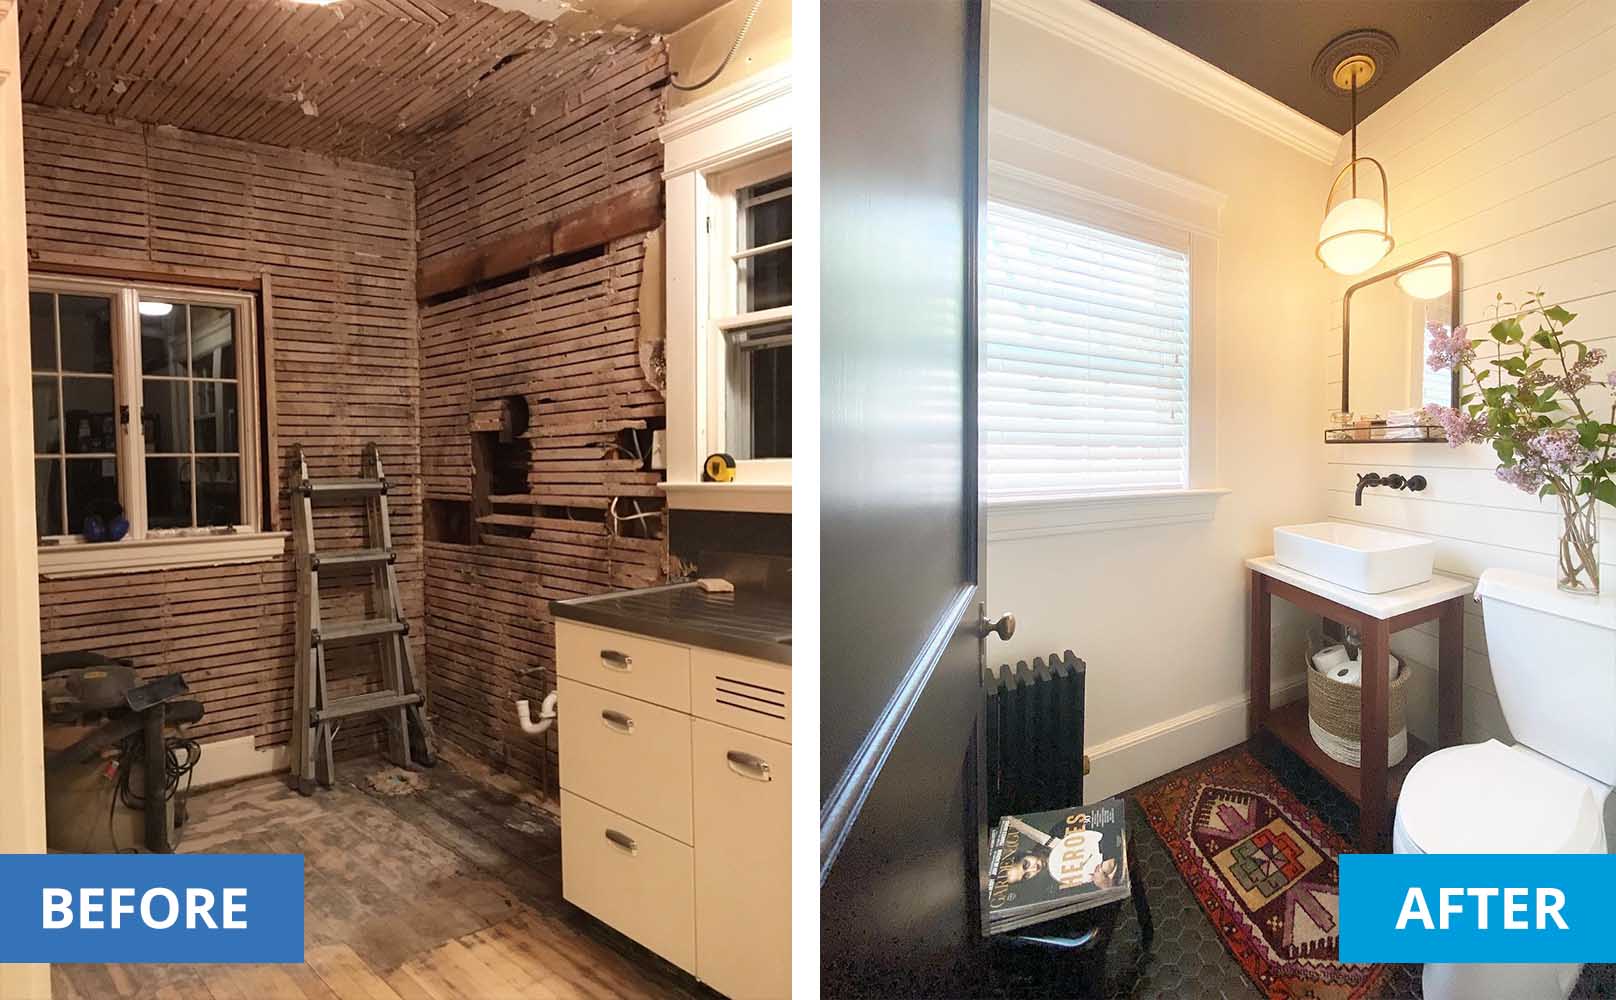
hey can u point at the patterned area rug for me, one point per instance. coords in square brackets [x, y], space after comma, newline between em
[1263, 867]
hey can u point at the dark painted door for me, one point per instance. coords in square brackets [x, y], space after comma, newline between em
[900, 551]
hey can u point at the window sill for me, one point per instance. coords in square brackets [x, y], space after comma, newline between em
[1012, 519]
[78, 559]
[761, 498]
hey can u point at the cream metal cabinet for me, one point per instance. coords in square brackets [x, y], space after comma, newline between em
[676, 802]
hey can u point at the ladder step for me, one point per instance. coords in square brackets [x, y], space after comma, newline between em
[365, 628]
[338, 489]
[352, 557]
[375, 701]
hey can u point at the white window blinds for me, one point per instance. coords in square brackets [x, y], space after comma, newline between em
[1085, 360]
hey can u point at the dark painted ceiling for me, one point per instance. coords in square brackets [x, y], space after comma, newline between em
[1271, 44]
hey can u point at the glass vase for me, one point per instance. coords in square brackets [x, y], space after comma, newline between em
[1579, 545]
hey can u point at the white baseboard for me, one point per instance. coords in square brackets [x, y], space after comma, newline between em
[1133, 758]
[234, 759]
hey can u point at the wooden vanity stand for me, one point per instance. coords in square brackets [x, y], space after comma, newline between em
[1374, 786]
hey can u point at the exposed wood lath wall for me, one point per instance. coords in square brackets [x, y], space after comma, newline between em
[564, 337]
[338, 239]
[377, 80]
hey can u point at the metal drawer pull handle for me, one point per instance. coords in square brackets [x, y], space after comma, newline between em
[617, 722]
[749, 765]
[612, 659]
[623, 841]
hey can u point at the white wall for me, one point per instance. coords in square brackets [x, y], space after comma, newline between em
[1505, 154]
[1160, 613]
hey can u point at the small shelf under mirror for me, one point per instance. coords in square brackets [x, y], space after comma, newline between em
[1380, 432]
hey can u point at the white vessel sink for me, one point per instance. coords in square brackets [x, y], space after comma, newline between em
[1368, 560]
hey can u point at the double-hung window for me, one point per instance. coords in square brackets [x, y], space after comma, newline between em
[750, 309]
[145, 402]
[1085, 360]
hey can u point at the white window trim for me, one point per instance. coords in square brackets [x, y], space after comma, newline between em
[145, 548]
[222, 548]
[737, 126]
[1039, 169]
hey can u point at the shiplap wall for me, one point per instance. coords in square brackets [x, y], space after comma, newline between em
[1505, 154]
[339, 240]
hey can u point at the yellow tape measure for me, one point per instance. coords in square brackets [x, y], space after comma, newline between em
[719, 468]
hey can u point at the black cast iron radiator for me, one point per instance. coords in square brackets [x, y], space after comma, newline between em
[1034, 735]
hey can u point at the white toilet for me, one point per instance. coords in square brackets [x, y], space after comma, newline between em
[1554, 665]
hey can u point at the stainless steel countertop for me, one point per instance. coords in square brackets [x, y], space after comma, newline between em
[743, 623]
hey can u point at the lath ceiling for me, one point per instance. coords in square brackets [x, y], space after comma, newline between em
[375, 80]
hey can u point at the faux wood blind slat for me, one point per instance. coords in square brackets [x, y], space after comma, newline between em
[1085, 360]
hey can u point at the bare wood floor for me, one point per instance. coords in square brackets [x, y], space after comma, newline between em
[452, 891]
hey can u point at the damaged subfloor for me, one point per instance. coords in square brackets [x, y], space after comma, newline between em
[447, 890]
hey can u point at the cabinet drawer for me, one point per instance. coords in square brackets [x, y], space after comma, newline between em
[754, 695]
[743, 862]
[628, 755]
[658, 672]
[631, 877]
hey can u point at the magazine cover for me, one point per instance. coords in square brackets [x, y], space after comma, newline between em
[1065, 859]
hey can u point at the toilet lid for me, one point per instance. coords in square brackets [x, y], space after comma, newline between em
[1488, 798]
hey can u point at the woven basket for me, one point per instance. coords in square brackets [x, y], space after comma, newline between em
[1333, 714]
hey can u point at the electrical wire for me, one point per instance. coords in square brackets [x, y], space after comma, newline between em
[180, 757]
[746, 24]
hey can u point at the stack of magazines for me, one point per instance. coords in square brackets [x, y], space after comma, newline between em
[1050, 864]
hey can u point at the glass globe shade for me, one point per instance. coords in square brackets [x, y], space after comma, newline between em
[1353, 237]
[1428, 281]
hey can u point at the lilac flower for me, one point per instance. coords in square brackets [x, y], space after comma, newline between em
[1610, 380]
[1527, 475]
[1459, 426]
[1560, 452]
[1449, 349]
[1578, 378]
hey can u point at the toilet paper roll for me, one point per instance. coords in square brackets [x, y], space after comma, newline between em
[1348, 673]
[1332, 656]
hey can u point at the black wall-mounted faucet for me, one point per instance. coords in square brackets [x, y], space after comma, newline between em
[1414, 484]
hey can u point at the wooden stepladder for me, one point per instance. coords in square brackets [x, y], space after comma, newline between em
[316, 716]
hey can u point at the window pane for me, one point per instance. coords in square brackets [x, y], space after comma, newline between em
[1085, 380]
[92, 488]
[42, 330]
[47, 416]
[162, 338]
[218, 491]
[758, 411]
[168, 492]
[766, 219]
[86, 333]
[216, 417]
[766, 280]
[213, 342]
[165, 419]
[771, 402]
[48, 497]
[90, 415]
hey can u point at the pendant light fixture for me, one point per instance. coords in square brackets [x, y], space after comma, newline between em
[1356, 233]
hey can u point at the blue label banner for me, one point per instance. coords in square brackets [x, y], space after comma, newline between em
[1478, 908]
[151, 908]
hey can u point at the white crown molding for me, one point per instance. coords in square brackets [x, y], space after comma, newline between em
[771, 84]
[1110, 36]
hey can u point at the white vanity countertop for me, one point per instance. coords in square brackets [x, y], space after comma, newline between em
[1440, 587]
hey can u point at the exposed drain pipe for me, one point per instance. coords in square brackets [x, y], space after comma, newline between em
[547, 715]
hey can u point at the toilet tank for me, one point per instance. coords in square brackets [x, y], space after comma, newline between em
[1553, 659]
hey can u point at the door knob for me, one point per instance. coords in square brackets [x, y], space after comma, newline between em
[1005, 626]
